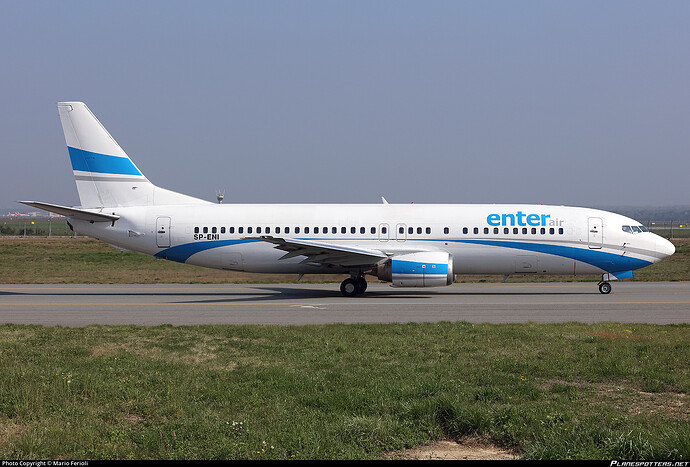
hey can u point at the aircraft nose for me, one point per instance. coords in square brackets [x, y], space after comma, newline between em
[664, 247]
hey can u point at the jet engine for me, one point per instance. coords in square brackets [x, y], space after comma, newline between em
[422, 269]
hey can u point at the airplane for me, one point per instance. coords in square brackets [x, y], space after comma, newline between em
[408, 245]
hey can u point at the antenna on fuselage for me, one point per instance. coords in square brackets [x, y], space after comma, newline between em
[220, 196]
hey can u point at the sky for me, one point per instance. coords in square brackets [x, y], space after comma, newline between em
[582, 103]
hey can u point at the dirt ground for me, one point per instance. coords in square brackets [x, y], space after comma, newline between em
[467, 449]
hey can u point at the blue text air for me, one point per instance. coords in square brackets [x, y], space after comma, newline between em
[522, 219]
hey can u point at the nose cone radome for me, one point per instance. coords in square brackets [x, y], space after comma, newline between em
[664, 247]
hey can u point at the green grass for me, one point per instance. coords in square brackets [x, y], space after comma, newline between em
[549, 391]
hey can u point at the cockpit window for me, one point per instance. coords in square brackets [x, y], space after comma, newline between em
[635, 229]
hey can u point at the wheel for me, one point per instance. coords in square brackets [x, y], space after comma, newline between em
[605, 287]
[361, 285]
[349, 287]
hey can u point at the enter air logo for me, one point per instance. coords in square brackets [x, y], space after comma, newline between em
[521, 219]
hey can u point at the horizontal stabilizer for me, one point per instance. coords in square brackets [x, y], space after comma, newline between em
[74, 213]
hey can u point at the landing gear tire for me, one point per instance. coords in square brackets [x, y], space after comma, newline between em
[349, 287]
[604, 287]
[361, 285]
[353, 286]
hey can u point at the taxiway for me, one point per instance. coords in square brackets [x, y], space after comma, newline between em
[301, 304]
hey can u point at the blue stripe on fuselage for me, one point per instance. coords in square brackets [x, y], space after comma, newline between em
[181, 253]
[609, 262]
[87, 161]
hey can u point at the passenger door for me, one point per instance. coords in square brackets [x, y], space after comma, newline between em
[595, 232]
[163, 232]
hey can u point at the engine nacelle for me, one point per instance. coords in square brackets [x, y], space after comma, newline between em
[423, 269]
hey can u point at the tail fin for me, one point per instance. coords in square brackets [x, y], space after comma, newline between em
[105, 175]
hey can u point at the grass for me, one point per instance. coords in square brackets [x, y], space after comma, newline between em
[548, 391]
[81, 260]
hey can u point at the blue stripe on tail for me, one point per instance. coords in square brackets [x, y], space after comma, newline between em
[87, 161]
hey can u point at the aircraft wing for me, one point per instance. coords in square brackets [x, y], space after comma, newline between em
[325, 253]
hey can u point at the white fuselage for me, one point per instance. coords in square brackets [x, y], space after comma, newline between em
[408, 245]
[481, 239]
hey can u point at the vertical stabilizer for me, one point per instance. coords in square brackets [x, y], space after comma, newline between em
[105, 175]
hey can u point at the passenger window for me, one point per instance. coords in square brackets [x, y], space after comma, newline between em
[384, 230]
[515, 231]
[214, 230]
[506, 230]
[232, 230]
[196, 229]
[551, 230]
[495, 230]
[446, 230]
[362, 230]
[222, 230]
[343, 230]
[373, 230]
[524, 230]
[240, 230]
[316, 230]
[258, 230]
[486, 231]
[560, 231]
[306, 230]
[277, 230]
[325, 230]
[542, 230]
[410, 230]
[334, 230]
[353, 230]
[205, 229]
[428, 230]
[534, 230]
[465, 230]
[419, 230]
[268, 230]
[296, 230]
[476, 230]
[287, 230]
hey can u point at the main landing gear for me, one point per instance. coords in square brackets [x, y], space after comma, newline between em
[353, 286]
[604, 287]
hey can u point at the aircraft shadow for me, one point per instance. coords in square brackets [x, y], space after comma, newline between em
[287, 293]
[262, 293]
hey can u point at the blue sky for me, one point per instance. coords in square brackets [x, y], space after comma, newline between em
[579, 103]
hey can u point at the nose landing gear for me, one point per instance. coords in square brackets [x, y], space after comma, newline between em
[604, 287]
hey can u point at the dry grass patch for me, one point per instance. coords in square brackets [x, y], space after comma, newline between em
[464, 449]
